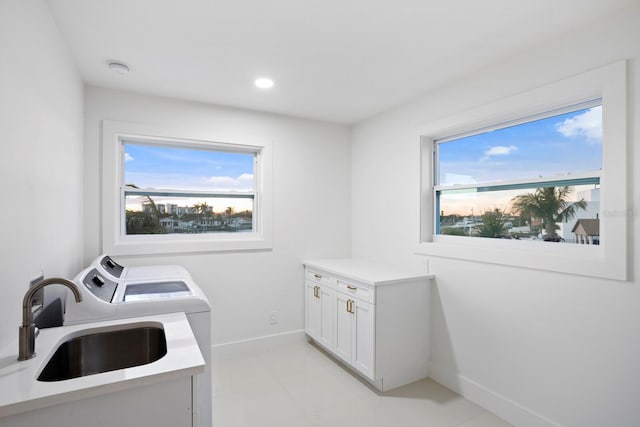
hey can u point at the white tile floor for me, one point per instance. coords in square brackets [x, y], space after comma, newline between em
[297, 385]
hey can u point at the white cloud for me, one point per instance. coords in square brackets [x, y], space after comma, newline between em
[587, 125]
[454, 179]
[222, 180]
[500, 150]
[227, 183]
[128, 157]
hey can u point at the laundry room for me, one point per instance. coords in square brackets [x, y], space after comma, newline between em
[329, 179]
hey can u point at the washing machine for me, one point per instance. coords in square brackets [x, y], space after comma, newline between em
[106, 265]
[112, 291]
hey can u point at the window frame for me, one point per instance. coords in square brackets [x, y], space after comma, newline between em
[575, 178]
[607, 260]
[114, 238]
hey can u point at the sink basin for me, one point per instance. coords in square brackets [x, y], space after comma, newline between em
[106, 351]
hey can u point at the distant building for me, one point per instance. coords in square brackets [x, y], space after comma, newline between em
[525, 229]
[184, 210]
[592, 211]
[587, 231]
[147, 207]
[169, 223]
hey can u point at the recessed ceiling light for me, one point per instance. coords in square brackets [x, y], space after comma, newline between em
[119, 67]
[263, 83]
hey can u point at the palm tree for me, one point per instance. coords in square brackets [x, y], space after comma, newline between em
[140, 225]
[550, 204]
[202, 209]
[229, 212]
[492, 224]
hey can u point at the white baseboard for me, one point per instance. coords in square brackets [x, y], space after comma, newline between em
[503, 407]
[257, 344]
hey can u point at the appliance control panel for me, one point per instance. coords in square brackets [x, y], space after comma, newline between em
[111, 266]
[99, 285]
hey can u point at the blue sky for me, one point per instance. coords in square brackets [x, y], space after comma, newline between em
[558, 145]
[158, 167]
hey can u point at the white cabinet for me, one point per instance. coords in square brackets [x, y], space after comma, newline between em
[354, 333]
[344, 328]
[319, 310]
[362, 348]
[374, 319]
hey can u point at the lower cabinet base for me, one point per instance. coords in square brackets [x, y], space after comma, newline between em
[377, 384]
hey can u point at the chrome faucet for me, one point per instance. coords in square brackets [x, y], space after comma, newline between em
[27, 332]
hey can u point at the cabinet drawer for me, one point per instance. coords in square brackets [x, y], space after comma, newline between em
[364, 292]
[319, 278]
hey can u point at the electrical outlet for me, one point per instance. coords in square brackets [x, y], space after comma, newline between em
[273, 318]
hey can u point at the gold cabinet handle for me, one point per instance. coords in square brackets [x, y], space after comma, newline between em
[352, 288]
[349, 306]
[316, 292]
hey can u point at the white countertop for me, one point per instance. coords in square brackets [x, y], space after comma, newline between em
[20, 391]
[369, 272]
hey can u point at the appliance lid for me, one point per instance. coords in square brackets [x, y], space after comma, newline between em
[155, 290]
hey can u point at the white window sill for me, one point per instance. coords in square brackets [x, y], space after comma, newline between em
[568, 258]
[163, 244]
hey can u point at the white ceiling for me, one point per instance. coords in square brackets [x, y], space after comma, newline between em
[333, 60]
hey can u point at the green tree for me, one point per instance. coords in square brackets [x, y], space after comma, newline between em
[229, 212]
[492, 224]
[141, 223]
[202, 209]
[549, 204]
[453, 231]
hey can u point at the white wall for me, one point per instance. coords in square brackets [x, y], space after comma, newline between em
[41, 165]
[312, 207]
[538, 348]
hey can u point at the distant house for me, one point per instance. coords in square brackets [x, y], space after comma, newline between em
[169, 223]
[587, 231]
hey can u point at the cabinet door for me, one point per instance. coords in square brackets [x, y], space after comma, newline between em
[363, 342]
[313, 311]
[327, 315]
[342, 346]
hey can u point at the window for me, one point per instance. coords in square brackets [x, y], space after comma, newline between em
[166, 192]
[537, 178]
[176, 189]
[548, 183]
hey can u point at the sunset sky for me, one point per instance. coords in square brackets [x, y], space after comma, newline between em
[554, 147]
